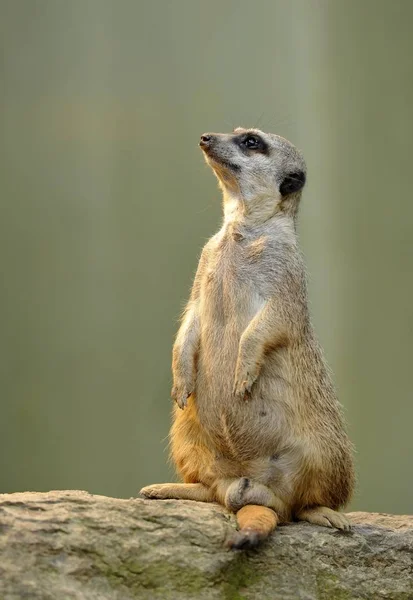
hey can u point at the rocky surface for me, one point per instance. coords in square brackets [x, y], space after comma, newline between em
[75, 546]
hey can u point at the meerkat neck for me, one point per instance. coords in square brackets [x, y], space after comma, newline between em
[257, 213]
[234, 209]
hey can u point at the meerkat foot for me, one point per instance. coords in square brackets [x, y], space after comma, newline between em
[178, 491]
[244, 491]
[326, 517]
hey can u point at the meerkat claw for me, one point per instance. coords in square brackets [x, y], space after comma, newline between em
[181, 398]
[182, 402]
[242, 387]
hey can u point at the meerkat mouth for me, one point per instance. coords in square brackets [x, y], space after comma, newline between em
[222, 162]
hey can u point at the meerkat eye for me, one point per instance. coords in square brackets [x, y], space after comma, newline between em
[252, 142]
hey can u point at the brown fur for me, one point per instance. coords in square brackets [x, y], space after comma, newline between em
[256, 421]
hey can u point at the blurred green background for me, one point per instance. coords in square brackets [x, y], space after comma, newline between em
[106, 203]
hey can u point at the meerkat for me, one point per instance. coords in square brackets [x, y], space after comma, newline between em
[257, 426]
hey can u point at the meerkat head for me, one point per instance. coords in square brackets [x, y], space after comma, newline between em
[262, 171]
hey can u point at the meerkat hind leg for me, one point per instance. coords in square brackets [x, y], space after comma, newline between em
[178, 491]
[327, 517]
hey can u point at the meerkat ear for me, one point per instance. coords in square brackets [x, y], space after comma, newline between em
[293, 182]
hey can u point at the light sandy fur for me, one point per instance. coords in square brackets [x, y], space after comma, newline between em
[257, 421]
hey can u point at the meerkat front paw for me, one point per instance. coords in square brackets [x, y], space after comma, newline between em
[244, 380]
[180, 393]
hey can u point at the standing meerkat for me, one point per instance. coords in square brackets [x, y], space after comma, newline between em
[257, 426]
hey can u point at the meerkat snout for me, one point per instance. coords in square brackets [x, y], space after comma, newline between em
[205, 140]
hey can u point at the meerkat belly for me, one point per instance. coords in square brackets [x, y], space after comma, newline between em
[244, 429]
[240, 429]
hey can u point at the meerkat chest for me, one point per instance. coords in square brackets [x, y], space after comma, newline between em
[240, 262]
[238, 279]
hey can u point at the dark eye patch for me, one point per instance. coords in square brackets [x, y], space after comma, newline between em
[251, 142]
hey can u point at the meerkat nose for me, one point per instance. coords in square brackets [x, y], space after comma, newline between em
[206, 139]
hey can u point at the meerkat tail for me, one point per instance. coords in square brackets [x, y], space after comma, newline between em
[255, 525]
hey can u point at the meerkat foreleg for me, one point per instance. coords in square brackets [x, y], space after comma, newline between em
[266, 330]
[178, 491]
[183, 357]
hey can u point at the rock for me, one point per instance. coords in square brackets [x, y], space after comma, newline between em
[72, 545]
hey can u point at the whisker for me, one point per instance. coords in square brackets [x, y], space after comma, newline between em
[207, 207]
[259, 120]
[230, 124]
[281, 121]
